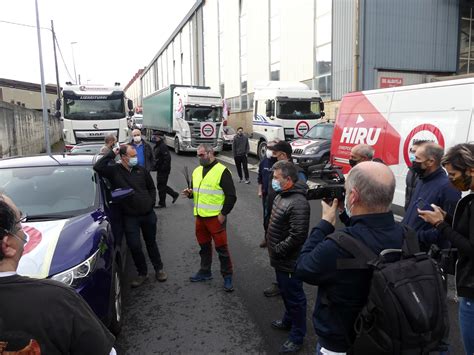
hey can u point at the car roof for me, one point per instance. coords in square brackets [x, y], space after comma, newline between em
[47, 160]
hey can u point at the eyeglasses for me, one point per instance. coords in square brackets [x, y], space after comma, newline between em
[23, 218]
[9, 232]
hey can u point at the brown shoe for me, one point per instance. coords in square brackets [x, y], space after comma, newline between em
[263, 244]
[161, 276]
[140, 280]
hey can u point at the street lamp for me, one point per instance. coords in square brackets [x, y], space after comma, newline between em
[73, 61]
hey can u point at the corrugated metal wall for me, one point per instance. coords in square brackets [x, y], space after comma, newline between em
[408, 35]
[342, 47]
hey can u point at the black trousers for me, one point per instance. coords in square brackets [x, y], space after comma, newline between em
[163, 188]
[241, 161]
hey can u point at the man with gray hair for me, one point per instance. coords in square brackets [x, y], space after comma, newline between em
[432, 187]
[360, 153]
[342, 293]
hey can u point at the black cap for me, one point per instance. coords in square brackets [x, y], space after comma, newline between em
[282, 146]
[158, 133]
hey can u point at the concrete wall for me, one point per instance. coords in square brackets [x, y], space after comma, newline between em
[22, 132]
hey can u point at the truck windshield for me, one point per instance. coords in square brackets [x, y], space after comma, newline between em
[320, 131]
[92, 109]
[203, 114]
[297, 109]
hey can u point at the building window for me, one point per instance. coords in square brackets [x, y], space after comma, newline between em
[243, 46]
[466, 43]
[274, 40]
[323, 62]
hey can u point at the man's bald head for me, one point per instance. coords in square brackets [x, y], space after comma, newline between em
[374, 184]
[136, 132]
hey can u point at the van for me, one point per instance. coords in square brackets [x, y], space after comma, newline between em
[391, 119]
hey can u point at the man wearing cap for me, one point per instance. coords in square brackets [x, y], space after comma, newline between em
[163, 169]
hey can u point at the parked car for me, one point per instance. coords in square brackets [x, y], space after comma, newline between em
[228, 134]
[314, 147]
[137, 122]
[71, 225]
[86, 148]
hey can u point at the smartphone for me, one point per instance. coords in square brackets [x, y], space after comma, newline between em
[423, 205]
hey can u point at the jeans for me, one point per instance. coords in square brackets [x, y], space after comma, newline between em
[147, 224]
[163, 188]
[241, 161]
[466, 323]
[294, 299]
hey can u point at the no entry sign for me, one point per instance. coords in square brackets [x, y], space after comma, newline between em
[301, 128]
[208, 130]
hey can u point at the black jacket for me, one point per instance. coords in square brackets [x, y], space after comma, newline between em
[240, 145]
[162, 158]
[139, 179]
[149, 160]
[410, 181]
[288, 227]
[461, 236]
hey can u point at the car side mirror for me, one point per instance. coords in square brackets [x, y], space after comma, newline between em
[121, 193]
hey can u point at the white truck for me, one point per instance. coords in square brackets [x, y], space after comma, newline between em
[282, 110]
[187, 116]
[91, 112]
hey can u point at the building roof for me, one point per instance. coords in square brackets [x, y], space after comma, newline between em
[23, 85]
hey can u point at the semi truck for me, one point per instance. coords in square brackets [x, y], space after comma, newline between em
[91, 112]
[282, 110]
[187, 116]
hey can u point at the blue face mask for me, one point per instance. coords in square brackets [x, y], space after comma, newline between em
[411, 157]
[276, 185]
[132, 162]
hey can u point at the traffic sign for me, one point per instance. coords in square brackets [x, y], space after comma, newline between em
[208, 130]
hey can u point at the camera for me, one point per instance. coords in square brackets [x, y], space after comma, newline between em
[329, 180]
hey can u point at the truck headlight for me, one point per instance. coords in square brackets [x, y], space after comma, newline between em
[311, 150]
[74, 276]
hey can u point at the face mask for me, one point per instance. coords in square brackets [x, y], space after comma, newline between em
[137, 139]
[133, 161]
[269, 154]
[276, 185]
[462, 183]
[416, 166]
[204, 161]
[346, 206]
[411, 157]
[353, 162]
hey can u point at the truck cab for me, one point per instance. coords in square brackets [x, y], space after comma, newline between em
[283, 110]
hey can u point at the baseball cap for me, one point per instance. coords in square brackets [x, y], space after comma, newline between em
[281, 146]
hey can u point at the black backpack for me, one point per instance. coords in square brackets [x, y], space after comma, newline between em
[406, 310]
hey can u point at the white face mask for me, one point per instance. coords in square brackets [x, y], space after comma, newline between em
[269, 153]
[137, 139]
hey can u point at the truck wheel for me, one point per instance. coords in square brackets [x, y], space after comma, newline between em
[262, 149]
[177, 148]
[115, 302]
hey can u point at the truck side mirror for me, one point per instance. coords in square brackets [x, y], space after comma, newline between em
[321, 107]
[130, 104]
[270, 107]
[131, 113]
[58, 105]
[57, 114]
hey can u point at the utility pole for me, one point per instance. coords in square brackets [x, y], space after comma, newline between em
[43, 87]
[74, 62]
[56, 62]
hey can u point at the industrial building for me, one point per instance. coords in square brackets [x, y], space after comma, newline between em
[335, 46]
[26, 94]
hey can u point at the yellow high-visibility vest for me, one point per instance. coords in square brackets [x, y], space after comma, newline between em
[208, 196]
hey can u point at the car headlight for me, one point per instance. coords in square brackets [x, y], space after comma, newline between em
[311, 150]
[74, 276]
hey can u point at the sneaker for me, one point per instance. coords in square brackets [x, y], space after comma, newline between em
[263, 244]
[198, 277]
[228, 287]
[175, 198]
[272, 291]
[161, 275]
[140, 280]
[241, 181]
[278, 324]
[247, 181]
[160, 206]
[290, 347]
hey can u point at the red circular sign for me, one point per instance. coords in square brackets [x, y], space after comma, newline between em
[207, 130]
[34, 238]
[302, 126]
[427, 127]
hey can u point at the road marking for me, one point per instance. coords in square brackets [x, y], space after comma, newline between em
[229, 160]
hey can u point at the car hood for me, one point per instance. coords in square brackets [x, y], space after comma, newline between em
[55, 246]
[304, 143]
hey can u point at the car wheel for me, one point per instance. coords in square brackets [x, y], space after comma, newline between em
[115, 302]
[262, 149]
[177, 148]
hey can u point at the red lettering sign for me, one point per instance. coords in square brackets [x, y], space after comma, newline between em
[387, 82]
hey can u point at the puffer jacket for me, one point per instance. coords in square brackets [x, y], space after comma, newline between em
[288, 227]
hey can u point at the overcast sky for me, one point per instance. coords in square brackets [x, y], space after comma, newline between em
[114, 38]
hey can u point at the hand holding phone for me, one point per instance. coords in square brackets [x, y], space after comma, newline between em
[423, 205]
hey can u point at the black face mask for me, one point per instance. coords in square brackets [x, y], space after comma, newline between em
[416, 166]
[353, 162]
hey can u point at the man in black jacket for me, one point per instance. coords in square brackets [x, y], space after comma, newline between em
[286, 234]
[137, 209]
[163, 169]
[240, 148]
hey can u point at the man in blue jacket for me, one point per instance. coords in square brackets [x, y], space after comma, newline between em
[342, 293]
[433, 186]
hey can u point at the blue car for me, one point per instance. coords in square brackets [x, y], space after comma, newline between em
[74, 234]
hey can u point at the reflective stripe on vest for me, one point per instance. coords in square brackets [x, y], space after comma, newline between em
[208, 196]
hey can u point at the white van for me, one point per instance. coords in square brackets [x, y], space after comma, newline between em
[391, 119]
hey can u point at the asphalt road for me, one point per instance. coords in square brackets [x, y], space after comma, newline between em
[178, 316]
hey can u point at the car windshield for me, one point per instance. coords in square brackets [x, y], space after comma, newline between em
[110, 107]
[320, 131]
[203, 114]
[228, 130]
[138, 120]
[85, 149]
[59, 191]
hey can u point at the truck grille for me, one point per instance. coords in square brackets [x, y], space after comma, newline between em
[196, 139]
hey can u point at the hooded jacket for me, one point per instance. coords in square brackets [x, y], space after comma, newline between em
[288, 227]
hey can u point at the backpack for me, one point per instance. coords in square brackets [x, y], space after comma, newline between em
[406, 310]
